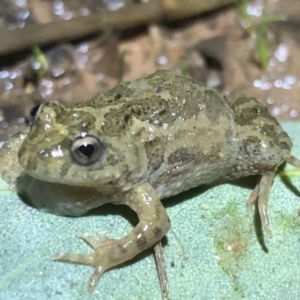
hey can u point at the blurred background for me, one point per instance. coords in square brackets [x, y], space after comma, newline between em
[70, 50]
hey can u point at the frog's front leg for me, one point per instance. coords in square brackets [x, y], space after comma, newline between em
[153, 225]
[10, 168]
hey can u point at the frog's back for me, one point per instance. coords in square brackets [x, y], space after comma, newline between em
[197, 143]
[187, 130]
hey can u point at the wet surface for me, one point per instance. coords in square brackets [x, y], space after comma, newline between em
[212, 47]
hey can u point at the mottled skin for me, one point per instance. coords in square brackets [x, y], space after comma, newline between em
[136, 144]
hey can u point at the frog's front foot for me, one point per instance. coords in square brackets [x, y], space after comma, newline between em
[153, 225]
[99, 259]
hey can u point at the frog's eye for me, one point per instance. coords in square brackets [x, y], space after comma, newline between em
[86, 150]
[33, 113]
[34, 110]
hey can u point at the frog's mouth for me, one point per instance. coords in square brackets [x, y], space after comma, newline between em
[105, 180]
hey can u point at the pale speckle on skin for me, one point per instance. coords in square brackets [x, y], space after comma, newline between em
[140, 142]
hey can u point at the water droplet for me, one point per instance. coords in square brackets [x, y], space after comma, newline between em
[13, 74]
[272, 62]
[66, 81]
[4, 74]
[83, 48]
[58, 7]
[46, 87]
[8, 85]
[255, 10]
[35, 65]
[278, 83]
[245, 23]
[290, 79]
[162, 60]
[67, 15]
[20, 3]
[20, 24]
[23, 15]
[58, 4]
[47, 83]
[266, 85]
[293, 113]
[276, 111]
[84, 11]
[115, 4]
[21, 120]
[57, 72]
[282, 53]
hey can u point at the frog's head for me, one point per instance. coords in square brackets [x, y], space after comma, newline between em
[262, 142]
[66, 145]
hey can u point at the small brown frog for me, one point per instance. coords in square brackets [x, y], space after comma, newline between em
[138, 143]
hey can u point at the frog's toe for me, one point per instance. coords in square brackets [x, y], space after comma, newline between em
[95, 278]
[102, 236]
[90, 240]
[84, 259]
[99, 259]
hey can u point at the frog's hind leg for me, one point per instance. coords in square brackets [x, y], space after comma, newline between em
[252, 198]
[261, 191]
[292, 160]
[263, 198]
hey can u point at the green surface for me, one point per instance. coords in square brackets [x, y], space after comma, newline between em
[211, 251]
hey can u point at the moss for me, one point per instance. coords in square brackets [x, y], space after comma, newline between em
[233, 233]
[288, 223]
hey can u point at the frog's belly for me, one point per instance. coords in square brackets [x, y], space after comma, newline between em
[190, 176]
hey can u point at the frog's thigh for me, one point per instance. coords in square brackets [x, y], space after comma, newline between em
[153, 225]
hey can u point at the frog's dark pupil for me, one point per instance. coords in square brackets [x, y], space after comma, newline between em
[87, 150]
[34, 110]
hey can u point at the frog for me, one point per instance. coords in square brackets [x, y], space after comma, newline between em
[138, 143]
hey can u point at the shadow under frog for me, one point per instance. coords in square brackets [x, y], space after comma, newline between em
[30, 190]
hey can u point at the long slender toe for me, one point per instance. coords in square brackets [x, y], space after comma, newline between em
[90, 240]
[84, 259]
[95, 278]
